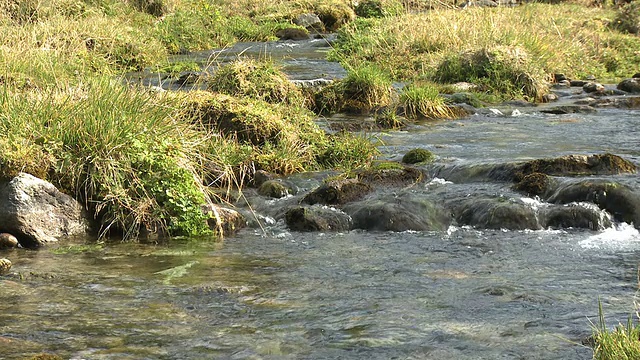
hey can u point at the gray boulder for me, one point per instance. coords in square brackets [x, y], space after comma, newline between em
[37, 213]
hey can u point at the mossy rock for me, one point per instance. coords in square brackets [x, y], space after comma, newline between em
[576, 165]
[317, 218]
[535, 184]
[389, 173]
[275, 189]
[338, 192]
[416, 156]
[378, 8]
[334, 13]
[292, 34]
[261, 80]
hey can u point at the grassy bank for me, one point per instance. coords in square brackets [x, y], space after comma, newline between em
[508, 51]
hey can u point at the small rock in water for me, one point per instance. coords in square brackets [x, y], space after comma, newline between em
[8, 241]
[5, 266]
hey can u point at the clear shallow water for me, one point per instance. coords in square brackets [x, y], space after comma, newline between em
[272, 294]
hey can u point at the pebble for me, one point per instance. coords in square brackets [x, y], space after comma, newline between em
[5, 266]
[8, 241]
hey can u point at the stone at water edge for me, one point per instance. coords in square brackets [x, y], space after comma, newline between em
[36, 213]
[5, 266]
[630, 85]
[8, 241]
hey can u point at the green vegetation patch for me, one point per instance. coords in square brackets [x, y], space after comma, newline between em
[365, 88]
[424, 102]
[261, 80]
[620, 343]
[501, 70]
[507, 51]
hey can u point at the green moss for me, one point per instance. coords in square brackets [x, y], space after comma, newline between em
[378, 8]
[416, 156]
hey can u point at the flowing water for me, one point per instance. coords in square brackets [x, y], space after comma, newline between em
[269, 293]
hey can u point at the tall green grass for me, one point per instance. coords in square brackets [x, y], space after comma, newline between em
[620, 343]
[562, 38]
[121, 151]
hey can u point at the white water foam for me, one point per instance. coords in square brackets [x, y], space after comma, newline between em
[620, 236]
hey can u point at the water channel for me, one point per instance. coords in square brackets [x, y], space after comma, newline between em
[270, 293]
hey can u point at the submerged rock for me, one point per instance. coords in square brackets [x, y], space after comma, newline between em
[570, 109]
[575, 215]
[496, 213]
[37, 213]
[619, 200]
[401, 213]
[317, 218]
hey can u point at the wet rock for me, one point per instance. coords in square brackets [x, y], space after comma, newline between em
[292, 34]
[36, 213]
[619, 200]
[262, 176]
[559, 77]
[578, 83]
[317, 218]
[187, 78]
[575, 215]
[591, 87]
[550, 97]
[576, 165]
[312, 84]
[496, 213]
[630, 85]
[401, 213]
[636, 76]
[276, 189]
[8, 241]
[535, 184]
[416, 156]
[309, 21]
[337, 192]
[224, 221]
[630, 102]
[562, 84]
[570, 109]
[390, 174]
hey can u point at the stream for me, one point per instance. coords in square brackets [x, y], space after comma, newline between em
[271, 293]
